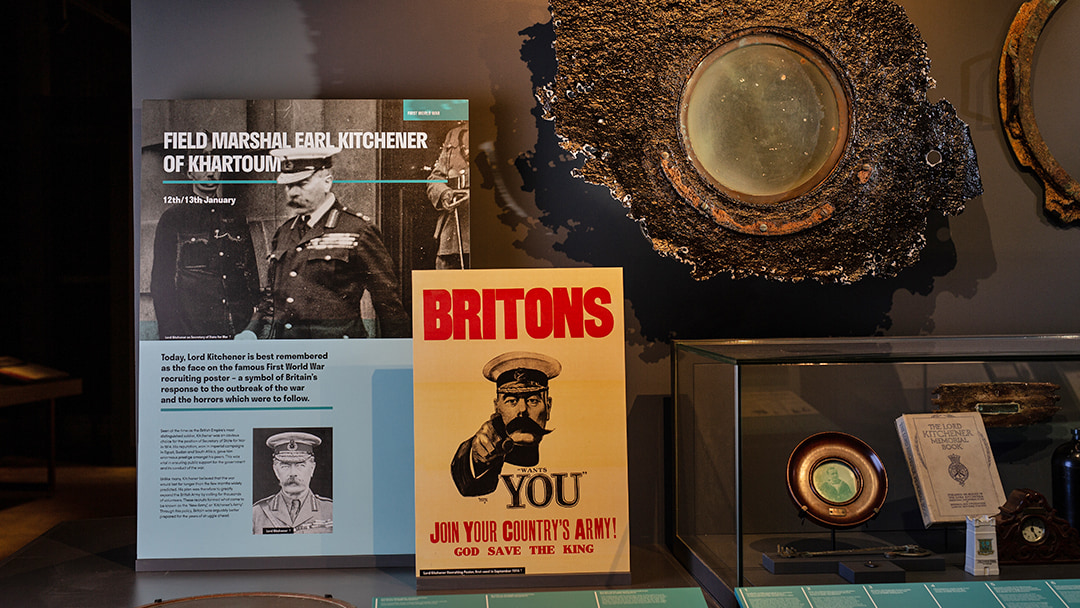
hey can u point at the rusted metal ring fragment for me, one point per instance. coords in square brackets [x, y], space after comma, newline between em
[1062, 192]
[618, 99]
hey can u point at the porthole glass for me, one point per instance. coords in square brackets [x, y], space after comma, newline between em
[764, 118]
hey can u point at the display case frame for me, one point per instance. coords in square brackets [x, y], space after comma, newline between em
[741, 406]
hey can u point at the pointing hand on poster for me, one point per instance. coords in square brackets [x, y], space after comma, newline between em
[487, 445]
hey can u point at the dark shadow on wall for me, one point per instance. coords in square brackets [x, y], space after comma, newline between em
[591, 227]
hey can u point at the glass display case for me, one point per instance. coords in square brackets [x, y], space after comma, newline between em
[743, 406]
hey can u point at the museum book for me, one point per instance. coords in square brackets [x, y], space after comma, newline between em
[952, 466]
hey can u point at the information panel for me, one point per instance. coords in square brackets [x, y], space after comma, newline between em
[277, 241]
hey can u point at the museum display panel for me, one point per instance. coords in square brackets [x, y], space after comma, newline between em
[751, 414]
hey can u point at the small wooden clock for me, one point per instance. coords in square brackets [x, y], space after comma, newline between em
[1030, 532]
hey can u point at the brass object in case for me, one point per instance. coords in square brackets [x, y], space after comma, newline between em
[836, 479]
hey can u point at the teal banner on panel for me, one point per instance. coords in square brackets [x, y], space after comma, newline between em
[1006, 594]
[681, 597]
[436, 109]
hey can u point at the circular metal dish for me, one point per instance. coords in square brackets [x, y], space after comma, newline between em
[836, 479]
[764, 118]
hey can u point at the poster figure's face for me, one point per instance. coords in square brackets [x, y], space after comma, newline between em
[294, 477]
[306, 195]
[534, 407]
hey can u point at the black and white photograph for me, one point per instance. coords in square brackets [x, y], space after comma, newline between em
[296, 219]
[292, 480]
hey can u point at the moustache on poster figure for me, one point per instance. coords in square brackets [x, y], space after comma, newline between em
[519, 454]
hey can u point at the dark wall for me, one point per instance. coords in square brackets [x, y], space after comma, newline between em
[67, 272]
[1002, 266]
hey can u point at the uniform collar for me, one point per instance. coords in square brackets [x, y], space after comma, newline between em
[304, 498]
[318, 214]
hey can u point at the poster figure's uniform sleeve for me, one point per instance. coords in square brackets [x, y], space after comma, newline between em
[318, 279]
[469, 480]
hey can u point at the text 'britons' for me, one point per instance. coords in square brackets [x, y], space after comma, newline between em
[559, 312]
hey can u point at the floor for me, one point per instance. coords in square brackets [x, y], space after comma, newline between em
[76, 547]
[82, 492]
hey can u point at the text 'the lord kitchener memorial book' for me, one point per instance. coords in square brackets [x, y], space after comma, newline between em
[952, 466]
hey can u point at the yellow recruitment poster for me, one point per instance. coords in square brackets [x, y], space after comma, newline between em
[519, 424]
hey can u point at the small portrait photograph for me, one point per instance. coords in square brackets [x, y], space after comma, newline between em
[292, 481]
[836, 481]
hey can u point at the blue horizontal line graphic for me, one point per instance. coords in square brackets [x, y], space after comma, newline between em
[242, 409]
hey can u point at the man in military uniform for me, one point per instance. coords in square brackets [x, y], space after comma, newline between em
[451, 199]
[322, 261]
[204, 280]
[295, 509]
[512, 434]
[831, 487]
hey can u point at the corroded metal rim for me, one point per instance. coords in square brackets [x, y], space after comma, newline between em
[622, 70]
[856, 455]
[1062, 192]
[806, 51]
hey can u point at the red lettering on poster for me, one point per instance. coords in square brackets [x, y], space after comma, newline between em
[602, 323]
[558, 312]
[510, 299]
[466, 314]
[438, 322]
[569, 312]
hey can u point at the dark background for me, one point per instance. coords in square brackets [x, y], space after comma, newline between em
[1001, 267]
[67, 274]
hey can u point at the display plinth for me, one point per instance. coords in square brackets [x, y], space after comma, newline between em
[777, 564]
[536, 581]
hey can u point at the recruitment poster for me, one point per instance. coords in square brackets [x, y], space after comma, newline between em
[277, 242]
[520, 432]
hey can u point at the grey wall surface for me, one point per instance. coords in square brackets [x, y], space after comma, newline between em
[1001, 267]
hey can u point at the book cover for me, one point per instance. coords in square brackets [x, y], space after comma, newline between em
[952, 466]
[519, 423]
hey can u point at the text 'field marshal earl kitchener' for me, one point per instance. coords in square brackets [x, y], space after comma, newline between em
[323, 259]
